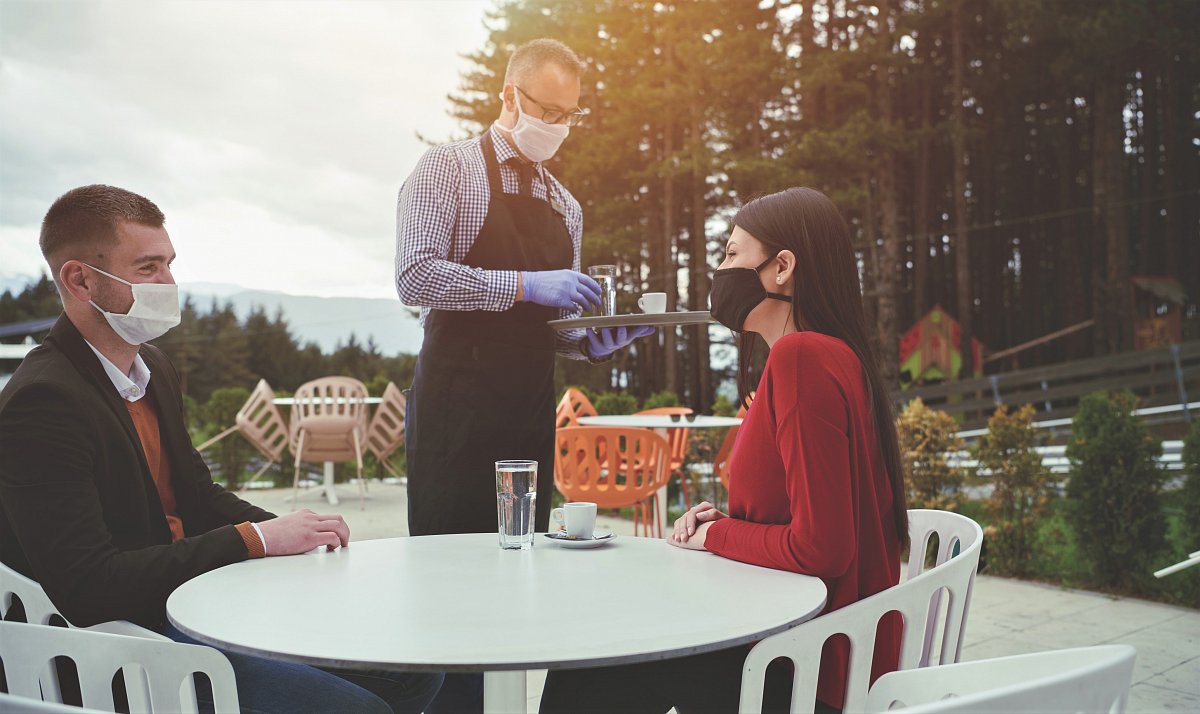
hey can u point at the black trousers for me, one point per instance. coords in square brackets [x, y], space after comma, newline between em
[699, 684]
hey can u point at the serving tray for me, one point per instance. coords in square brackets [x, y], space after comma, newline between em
[657, 319]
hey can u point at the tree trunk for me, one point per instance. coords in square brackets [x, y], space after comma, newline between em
[888, 270]
[921, 228]
[962, 248]
[1107, 215]
[669, 274]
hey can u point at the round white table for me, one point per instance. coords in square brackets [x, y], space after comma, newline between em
[460, 603]
[660, 423]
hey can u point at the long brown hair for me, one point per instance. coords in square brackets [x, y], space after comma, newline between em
[827, 299]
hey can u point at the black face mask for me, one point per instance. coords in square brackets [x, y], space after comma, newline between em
[736, 292]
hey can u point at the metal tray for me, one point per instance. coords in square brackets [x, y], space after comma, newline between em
[657, 319]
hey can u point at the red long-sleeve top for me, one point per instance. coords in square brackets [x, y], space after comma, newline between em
[809, 491]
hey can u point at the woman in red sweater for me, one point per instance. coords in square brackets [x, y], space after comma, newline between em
[816, 484]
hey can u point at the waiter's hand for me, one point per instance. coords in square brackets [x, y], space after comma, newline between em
[603, 342]
[302, 531]
[564, 289]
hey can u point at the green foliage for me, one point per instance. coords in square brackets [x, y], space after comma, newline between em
[724, 407]
[665, 398]
[1190, 497]
[1008, 459]
[1114, 491]
[615, 403]
[926, 437]
[232, 452]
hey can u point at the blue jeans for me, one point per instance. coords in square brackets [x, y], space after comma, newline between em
[270, 687]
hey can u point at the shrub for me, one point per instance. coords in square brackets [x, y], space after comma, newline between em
[927, 436]
[665, 398]
[232, 452]
[1114, 491]
[723, 407]
[615, 403]
[1190, 496]
[1023, 487]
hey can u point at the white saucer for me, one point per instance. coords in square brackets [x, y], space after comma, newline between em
[594, 542]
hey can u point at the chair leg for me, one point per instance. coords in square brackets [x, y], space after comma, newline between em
[296, 476]
[683, 484]
[254, 478]
[362, 487]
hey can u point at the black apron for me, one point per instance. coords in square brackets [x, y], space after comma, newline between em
[484, 384]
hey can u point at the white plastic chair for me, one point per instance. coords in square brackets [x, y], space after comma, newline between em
[329, 423]
[917, 599]
[1086, 679]
[385, 434]
[166, 668]
[40, 611]
[10, 704]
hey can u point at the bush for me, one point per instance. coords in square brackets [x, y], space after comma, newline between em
[615, 403]
[232, 452]
[723, 407]
[665, 398]
[1114, 491]
[926, 438]
[1023, 487]
[1190, 496]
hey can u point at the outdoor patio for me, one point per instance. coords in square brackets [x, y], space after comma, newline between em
[1007, 616]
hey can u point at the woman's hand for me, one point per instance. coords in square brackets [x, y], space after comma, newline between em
[691, 527]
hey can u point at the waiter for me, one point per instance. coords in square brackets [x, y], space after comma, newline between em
[488, 244]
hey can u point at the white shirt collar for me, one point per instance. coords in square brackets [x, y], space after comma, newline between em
[132, 386]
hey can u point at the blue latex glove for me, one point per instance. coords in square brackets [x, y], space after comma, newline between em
[603, 342]
[565, 289]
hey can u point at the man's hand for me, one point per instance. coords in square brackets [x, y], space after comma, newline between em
[564, 289]
[603, 342]
[302, 531]
[692, 527]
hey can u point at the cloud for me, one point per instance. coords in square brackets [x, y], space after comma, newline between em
[273, 132]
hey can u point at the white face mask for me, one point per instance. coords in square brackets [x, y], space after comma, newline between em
[536, 139]
[155, 310]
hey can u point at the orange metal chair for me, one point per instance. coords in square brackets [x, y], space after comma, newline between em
[385, 433]
[329, 419]
[574, 404]
[677, 442]
[613, 467]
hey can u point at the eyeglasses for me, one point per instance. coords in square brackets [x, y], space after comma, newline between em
[557, 116]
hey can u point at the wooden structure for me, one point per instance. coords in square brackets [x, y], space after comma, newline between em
[1158, 302]
[931, 351]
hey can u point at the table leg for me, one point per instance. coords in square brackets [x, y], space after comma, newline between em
[330, 492]
[504, 692]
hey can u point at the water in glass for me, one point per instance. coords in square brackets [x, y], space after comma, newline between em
[516, 501]
[606, 276]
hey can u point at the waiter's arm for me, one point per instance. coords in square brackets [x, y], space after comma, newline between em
[426, 213]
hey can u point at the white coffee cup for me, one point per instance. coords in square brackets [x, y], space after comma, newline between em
[579, 519]
[653, 302]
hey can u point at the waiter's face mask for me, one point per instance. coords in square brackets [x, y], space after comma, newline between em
[536, 139]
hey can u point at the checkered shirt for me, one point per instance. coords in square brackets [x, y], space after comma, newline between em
[439, 213]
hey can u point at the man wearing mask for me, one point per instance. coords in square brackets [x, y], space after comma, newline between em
[488, 244]
[103, 500]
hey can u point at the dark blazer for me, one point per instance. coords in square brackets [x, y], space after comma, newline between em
[79, 512]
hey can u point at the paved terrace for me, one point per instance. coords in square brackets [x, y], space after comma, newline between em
[1007, 616]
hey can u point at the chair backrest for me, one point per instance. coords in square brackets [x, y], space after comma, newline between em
[10, 704]
[37, 605]
[330, 410]
[1086, 679]
[386, 431]
[613, 467]
[677, 438]
[917, 599]
[27, 650]
[573, 405]
[260, 422]
[725, 453]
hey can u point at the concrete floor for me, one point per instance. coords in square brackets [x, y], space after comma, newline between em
[1007, 617]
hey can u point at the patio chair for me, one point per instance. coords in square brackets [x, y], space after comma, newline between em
[385, 433]
[261, 424]
[39, 610]
[328, 424]
[917, 599]
[721, 462]
[1085, 679]
[573, 405]
[677, 443]
[614, 467]
[165, 668]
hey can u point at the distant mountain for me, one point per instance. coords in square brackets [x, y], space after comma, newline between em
[325, 321]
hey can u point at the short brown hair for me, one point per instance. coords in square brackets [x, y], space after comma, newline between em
[83, 222]
[532, 55]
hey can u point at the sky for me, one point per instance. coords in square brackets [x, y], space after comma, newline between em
[274, 134]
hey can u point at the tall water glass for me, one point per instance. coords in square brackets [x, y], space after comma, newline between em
[516, 502]
[606, 275]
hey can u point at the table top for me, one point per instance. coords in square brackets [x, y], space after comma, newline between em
[460, 603]
[660, 421]
[636, 319]
[288, 401]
